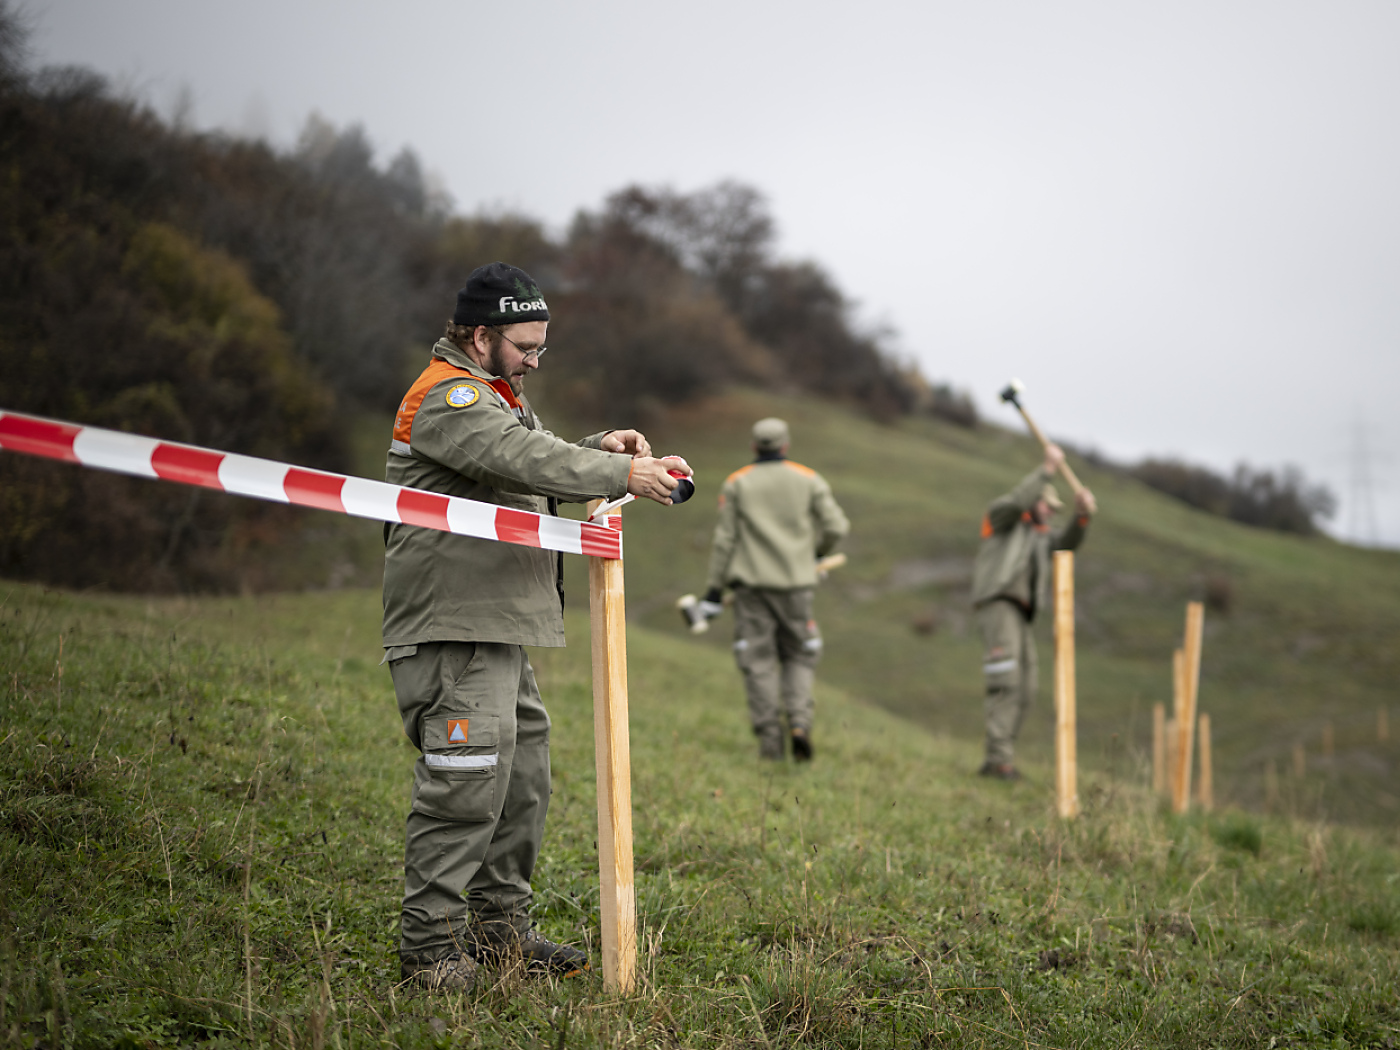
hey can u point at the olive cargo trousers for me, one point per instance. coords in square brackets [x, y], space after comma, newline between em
[776, 645]
[480, 790]
[1010, 669]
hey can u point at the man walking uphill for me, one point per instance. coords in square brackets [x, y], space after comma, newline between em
[776, 518]
[457, 613]
[1010, 582]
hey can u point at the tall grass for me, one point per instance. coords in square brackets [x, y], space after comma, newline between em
[201, 844]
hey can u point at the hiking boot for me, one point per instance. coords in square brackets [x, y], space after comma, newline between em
[770, 743]
[452, 973]
[1004, 771]
[801, 745]
[540, 955]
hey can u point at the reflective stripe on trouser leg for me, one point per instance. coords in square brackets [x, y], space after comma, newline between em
[1009, 668]
[463, 700]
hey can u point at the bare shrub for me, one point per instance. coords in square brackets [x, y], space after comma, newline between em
[1283, 501]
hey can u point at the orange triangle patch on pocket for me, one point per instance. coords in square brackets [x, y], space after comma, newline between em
[457, 730]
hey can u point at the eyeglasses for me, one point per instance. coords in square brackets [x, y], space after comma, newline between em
[536, 353]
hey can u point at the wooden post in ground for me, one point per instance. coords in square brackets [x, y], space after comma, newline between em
[1178, 680]
[1329, 740]
[1206, 791]
[1066, 758]
[1159, 749]
[1173, 742]
[1186, 717]
[612, 748]
[1178, 701]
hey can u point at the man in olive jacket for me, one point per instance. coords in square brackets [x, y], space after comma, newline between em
[1010, 583]
[458, 612]
[776, 518]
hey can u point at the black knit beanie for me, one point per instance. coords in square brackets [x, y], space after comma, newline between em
[499, 294]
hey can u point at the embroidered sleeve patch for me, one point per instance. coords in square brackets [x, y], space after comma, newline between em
[457, 730]
[463, 395]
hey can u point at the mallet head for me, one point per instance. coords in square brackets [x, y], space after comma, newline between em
[1013, 390]
[694, 616]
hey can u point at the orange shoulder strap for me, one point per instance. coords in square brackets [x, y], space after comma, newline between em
[436, 372]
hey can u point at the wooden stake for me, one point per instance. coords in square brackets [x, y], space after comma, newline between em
[1300, 761]
[1066, 760]
[1206, 791]
[1271, 783]
[1178, 693]
[1382, 724]
[1186, 717]
[1178, 701]
[1178, 681]
[1173, 742]
[612, 748]
[1329, 740]
[1159, 749]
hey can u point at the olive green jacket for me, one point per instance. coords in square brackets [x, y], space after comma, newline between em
[440, 587]
[776, 518]
[1014, 559]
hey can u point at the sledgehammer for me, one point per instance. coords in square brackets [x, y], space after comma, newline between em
[1012, 393]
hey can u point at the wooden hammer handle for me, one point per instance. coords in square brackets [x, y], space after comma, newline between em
[1065, 468]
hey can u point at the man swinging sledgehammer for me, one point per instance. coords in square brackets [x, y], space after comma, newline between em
[1010, 583]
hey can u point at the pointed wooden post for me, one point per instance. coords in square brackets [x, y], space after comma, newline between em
[1159, 749]
[1174, 740]
[1186, 717]
[612, 748]
[1206, 792]
[1066, 758]
[1178, 681]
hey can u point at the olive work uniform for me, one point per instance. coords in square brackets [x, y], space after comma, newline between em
[1010, 581]
[457, 611]
[776, 518]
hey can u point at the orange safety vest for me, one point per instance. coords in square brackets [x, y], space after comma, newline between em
[987, 530]
[435, 373]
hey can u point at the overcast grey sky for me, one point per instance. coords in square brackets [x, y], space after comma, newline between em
[1178, 223]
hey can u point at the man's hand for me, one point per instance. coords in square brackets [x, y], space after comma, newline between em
[1054, 458]
[1085, 503]
[649, 476]
[632, 442]
[712, 604]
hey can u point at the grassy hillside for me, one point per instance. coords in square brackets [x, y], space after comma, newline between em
[201, 808]
[1300, 632]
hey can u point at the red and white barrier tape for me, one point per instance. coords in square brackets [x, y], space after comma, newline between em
[283, 483]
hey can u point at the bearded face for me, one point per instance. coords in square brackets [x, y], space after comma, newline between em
[498, 365]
